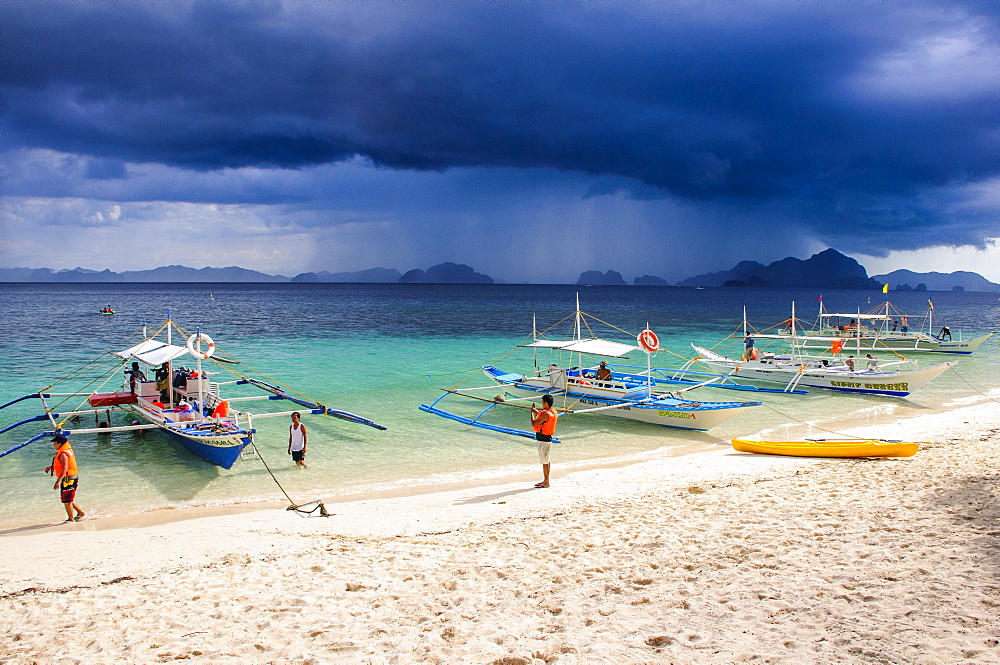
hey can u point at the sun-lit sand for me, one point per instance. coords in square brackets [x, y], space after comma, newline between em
[716, 557]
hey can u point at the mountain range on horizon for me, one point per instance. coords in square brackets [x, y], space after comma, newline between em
[827, 269]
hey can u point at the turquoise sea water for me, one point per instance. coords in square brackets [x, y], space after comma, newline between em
[382, 350]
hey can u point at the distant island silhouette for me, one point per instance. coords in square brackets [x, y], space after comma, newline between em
[828, 269]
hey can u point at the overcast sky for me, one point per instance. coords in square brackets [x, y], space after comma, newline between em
[530, 140]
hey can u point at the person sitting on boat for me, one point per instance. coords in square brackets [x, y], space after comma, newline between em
[180, 377]
[134, 375]
[162, 381]
[872, 362]
[945, 332]
[850, 363]
[603, 373]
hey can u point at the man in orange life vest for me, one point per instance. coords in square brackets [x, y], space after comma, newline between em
[544, 424]
[64, 469]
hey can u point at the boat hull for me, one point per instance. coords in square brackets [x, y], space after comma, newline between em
[220, 451]
[869, 448]
[218, 443]
[902, 344]
[665, 411]
[896, 384]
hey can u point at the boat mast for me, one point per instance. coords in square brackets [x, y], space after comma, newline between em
[792, 322]
[534, 338]
[857, 334]
[170, 366]
[579, 332]
[201, 383]
[649, 366]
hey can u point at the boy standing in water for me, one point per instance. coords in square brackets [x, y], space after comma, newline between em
[297, 441]
[65, 470]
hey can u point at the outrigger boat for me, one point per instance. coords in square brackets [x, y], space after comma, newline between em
[582, 390]
[832, 372]
[213, 429]
[879, 329]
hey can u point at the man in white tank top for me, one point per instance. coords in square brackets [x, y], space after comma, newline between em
[297, 441]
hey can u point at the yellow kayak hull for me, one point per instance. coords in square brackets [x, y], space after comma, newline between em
[829, 448]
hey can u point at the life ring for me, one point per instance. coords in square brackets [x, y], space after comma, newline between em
[194, 348]
[648, 341]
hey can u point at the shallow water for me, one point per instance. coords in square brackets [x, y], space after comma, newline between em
[381, 351]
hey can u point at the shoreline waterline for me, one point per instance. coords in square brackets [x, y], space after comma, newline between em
[505, 476]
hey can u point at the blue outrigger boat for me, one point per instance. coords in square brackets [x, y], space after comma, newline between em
[189, 406]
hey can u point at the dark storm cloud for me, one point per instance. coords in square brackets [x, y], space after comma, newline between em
[842, 118]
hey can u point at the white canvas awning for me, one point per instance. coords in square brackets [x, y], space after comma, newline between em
[153, 352]
[861, 317]
[592, 347]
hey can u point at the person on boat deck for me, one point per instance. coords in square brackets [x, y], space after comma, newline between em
[544, 424]
[895, 324]
[297, 441]
[872, 361]
[603, 373]
[850, 363]
[64, 468]
[162, 381]
[905, 325]
[134, 375]
[748, 348]
[181, 375]
[945, 332]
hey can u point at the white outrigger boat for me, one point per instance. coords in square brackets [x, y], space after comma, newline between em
[833, 372]
[879, 329]
[214, 429]
[578, 390]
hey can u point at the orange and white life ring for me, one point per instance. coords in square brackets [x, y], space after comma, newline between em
[194, 346]
[648, 341]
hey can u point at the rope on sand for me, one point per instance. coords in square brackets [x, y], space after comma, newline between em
[296, 507]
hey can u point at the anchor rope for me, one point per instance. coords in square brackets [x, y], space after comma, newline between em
[296, 507]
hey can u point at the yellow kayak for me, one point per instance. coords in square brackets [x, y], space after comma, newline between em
[829, 448]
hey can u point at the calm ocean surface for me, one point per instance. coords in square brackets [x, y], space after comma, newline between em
[382, 350]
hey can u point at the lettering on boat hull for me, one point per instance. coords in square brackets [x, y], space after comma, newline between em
[900, 387]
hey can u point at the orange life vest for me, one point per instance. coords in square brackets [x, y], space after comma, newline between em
[222, 410]
[549, 426]
[57, 468]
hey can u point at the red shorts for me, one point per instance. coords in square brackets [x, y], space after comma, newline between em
[67, 489]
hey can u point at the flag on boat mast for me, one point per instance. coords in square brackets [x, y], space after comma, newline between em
[885, 289]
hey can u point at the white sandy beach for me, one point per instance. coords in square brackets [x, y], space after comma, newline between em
[716, 557]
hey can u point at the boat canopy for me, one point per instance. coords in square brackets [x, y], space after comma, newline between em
[860, 317]
[153, 352]
[591, 347]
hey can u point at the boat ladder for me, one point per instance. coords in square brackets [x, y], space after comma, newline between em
[793, 384]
